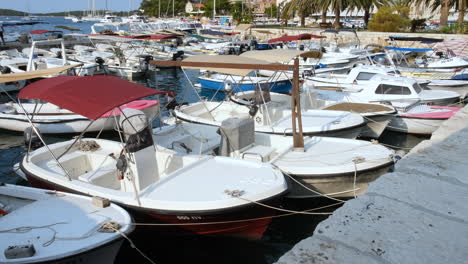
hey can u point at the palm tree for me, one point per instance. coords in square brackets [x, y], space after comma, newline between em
[303, 7]
[461, 11]
[337, 6]
[367, 5]
[445, 6]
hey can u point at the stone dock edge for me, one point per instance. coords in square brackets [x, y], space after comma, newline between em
[417, 214]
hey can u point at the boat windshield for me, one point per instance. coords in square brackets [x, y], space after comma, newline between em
[417, 88]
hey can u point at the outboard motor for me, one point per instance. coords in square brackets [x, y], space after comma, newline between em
[178, 56]
[144, 62]
[228, 88]
[236, 134]
[253, 44]
[301, 47]
[5, 70]
[140, 147]
[30, 137]
[100, 62]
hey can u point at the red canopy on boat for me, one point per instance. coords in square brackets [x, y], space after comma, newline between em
[89, 96]
[41, 31]
[295, 37]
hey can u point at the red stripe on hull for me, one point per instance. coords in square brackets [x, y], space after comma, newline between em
[250, 229]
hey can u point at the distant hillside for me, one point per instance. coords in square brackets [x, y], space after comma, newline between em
[81, 13]
[10, 12]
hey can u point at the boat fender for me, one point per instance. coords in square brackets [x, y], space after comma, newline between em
[21, 251]
[121, 166]
[5, 70]
[253, 109]
[32, 139]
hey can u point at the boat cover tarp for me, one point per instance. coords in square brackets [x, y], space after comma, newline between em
[422, 39]
[42, 31]
[212, 32]
[277, 55]
[294, 37]
[89, 96]
[151, 37]
[19, 76]
[17, 23]
[224, 59]
[408, 49]
[198, 37]
[459, 47]
[114, 38]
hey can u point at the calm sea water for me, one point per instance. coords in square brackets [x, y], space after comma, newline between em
[281, 236]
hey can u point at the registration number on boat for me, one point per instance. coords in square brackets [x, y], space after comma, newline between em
[184, 217]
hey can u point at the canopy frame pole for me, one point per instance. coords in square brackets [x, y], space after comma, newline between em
[298, 138]
[76, 139]
[43, 142]
[30, 139]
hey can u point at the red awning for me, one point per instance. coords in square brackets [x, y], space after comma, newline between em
[295, 37]
[89, 96]
[41, 31]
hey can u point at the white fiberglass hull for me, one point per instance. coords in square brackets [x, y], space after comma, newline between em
[332, 166]
[72, 221]
[276, 121]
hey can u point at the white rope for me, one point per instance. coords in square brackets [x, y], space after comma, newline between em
[111, 227]
[309, 189]
[237, 221]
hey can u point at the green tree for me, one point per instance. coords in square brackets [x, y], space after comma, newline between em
[271, 11]
[445, 6]
[303, 7]
[390, 19]
[367, 5]
[223, 7]
[152, 7]
[241, 14]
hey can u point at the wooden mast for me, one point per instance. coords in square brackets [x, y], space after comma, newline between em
[298, 138]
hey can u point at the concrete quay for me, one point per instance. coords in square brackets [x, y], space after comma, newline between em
[417, 214]
[365, 37]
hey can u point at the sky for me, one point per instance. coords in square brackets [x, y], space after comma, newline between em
[47, 6]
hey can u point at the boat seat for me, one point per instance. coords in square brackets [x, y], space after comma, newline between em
[105, 176]
[258, 153]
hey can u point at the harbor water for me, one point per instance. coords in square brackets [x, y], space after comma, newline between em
[282, 234]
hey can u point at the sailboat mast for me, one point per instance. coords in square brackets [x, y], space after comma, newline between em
[173, 1]
[214, 9]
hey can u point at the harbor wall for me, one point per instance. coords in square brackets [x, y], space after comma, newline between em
[365, 37]
[417, 214]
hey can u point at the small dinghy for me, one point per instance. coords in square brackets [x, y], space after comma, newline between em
[39, 226]
[421, 119]
[377, 115]
[185, 194]
[329, 166]
[51, 119]
[275, 119]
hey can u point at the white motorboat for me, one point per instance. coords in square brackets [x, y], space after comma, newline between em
[377, 115]
[329, 166]
[156, 186]
[381, 88]
[272, 119]
[415, 118]
[52, 119]
[40, 226]
[363, 74]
